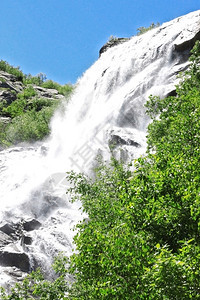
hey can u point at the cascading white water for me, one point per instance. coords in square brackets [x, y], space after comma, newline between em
[108, 104]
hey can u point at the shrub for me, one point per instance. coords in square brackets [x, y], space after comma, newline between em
[65, 90]
[27, 93]
[18, 107]
[4, 66]
[37, 80]
[30, 119]
[30, 126]
[142, 29]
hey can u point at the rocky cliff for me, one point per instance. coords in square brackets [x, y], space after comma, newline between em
[10, 87]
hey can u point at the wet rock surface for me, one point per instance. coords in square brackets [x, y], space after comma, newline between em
[14, 239]
[17, 259]
[5, 239]
[31, 224]
[117, 140]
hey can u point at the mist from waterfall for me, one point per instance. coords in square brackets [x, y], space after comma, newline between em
[108, 102]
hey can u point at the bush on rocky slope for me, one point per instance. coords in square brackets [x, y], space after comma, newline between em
[27, 104]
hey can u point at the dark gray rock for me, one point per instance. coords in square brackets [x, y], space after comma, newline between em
[10, 82]
[31, 224]
[5, 239]
[7, 95]
[187, 44]
[17, 259]
[111, 43]
[117, 140]
[8, 228]
[47, 93]
[27, 240]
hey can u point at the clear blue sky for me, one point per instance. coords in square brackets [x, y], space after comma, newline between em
[61, 38]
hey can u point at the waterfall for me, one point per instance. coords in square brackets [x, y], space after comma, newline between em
[107, 108]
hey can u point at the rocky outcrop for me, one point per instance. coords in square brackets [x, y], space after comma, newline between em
[10, 87]
[9, 81]
[7, 95]
[14, 239]
[117, 140]
[47, 93]
[111, 43]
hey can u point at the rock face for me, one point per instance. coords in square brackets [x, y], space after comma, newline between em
[9, 81]
[31, 224]
[7, 95]
[111, 43]
[17, 259]
[13, 240]
[47, 93]
[10, 87]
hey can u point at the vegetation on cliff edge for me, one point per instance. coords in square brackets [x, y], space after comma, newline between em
[27, 118]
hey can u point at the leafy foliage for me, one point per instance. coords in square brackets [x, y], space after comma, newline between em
[35, 286]
[142, 29]
[30, 115]
[65, 90]
[39, 79]
[141, 238]
[30, 126]
[6, 67]
[18, 106]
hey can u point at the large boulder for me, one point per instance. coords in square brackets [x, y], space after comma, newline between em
[31, 224]
[14, 241]
[17, 259]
